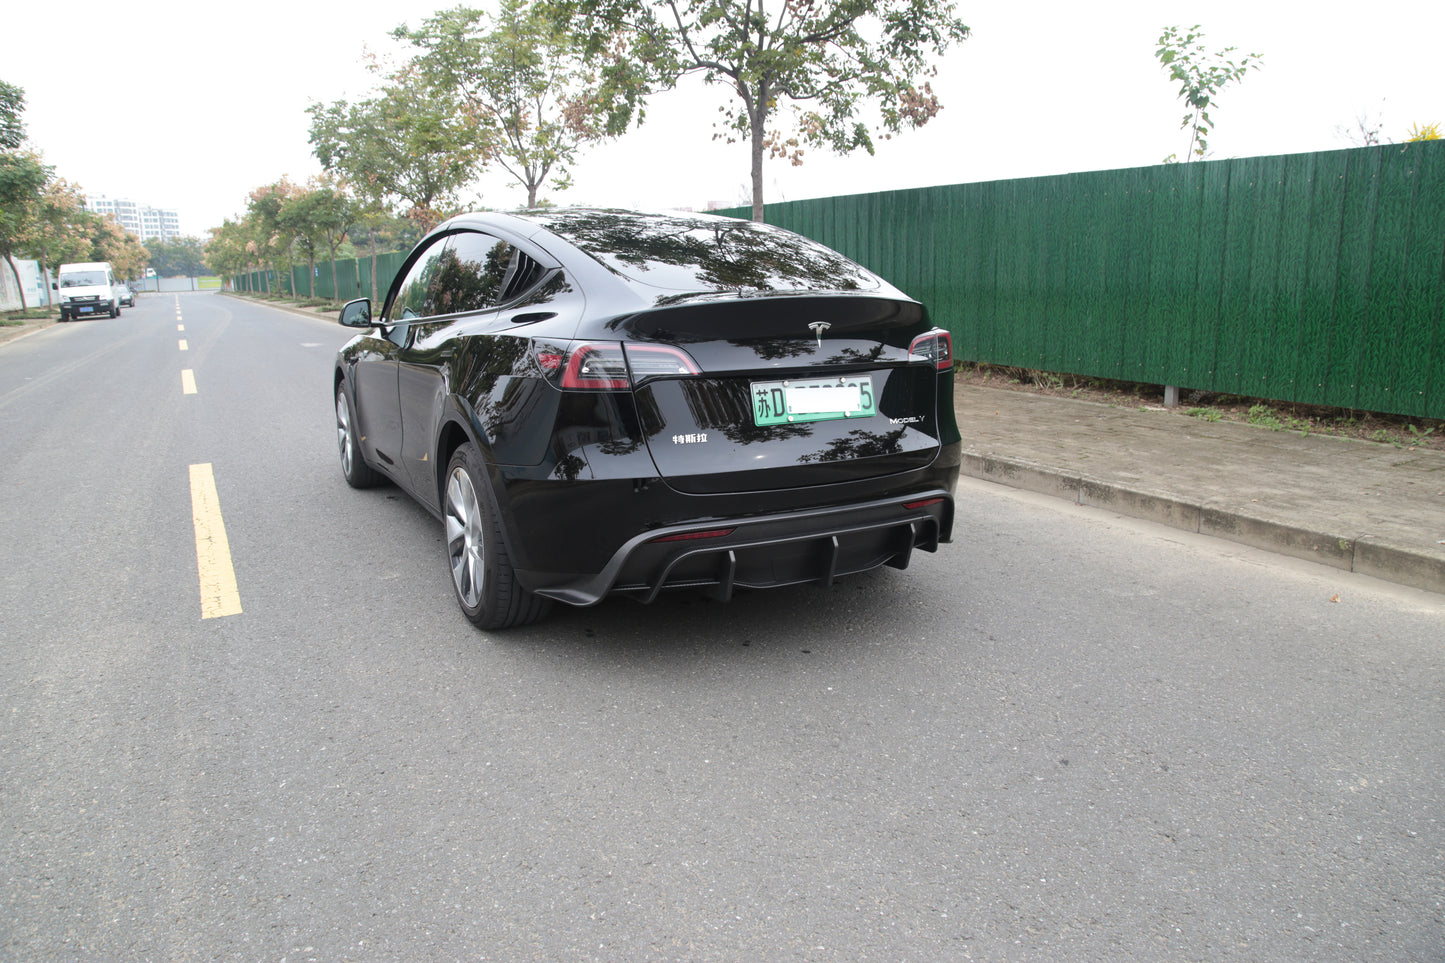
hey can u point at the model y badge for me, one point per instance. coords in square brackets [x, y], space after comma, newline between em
[818, 327]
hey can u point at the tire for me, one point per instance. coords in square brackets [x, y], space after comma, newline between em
[482, 574]
[64, 317]
[357, 472]
[115, 309]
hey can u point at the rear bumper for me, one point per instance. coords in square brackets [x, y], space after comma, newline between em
[791, 548]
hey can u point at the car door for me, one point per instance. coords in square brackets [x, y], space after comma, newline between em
[469, 278]
[378, 406]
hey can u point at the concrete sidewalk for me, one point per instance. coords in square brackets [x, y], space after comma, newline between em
[1361, 506]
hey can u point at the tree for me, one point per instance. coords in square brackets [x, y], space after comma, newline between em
[404, 146]
[319, 215]
[61, 230]
[271, 242]
[828, 58]
[225, 250]
[111, 242]
[22, 181]
[1201, 76]
[183, 257]
[525, 88]
[12, 128]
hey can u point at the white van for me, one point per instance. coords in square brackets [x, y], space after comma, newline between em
[86, 290]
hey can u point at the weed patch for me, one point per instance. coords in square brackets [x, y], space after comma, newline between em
[1397, 430]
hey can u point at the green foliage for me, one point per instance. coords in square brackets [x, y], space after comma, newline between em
[12, 128]
[1207, 413]
[270, 242]
[22, 180]
[183, 257]
[1201, 76]
[1265, 417]
[526, 93]
[408, 146]
[827, 58]
[225, 251]
[1421, 132]
[315, 217]
[62, 228]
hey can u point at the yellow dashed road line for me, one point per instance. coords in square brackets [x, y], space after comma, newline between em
[219, 595]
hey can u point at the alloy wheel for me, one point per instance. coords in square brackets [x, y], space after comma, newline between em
[343, 432]
[465, 549]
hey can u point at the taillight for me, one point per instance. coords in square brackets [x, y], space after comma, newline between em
[608, 365]
[596, 367]
[935, 347]
[650, 360]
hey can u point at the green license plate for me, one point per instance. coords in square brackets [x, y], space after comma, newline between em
[824, 399]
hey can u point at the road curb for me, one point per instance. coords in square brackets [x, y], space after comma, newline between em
[1363, 554]
[288, 306]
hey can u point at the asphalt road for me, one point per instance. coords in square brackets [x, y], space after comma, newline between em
[1066, 736]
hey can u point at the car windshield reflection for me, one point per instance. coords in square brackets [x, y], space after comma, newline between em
[706, 253]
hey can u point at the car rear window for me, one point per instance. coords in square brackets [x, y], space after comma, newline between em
[707, 253]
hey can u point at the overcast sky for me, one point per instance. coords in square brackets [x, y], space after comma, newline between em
[191, 113]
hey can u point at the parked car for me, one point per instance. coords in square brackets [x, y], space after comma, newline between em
[123, 294]
[85, 290]
[608, 403]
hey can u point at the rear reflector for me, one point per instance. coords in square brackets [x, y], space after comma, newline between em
[921, 504]
[689, 536]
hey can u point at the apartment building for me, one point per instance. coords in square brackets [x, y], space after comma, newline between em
[143, 221]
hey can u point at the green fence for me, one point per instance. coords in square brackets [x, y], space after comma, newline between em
[1314, 278]
[353, 275]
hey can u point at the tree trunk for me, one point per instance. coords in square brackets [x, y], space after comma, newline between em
[19, 285]
[757, 109]
[373, 267]
[757, 148]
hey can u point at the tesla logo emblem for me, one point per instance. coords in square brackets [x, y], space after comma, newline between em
[818, 327]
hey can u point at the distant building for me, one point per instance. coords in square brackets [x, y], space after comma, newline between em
[142, 221]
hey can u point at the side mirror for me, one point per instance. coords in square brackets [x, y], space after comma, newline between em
[356, 314]
[55, 285]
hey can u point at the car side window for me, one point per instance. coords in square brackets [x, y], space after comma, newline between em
[416, 298]
[472, 273]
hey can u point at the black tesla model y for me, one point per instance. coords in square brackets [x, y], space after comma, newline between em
[601, 402]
